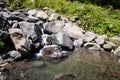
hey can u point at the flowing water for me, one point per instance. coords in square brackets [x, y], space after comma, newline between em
[84, 64]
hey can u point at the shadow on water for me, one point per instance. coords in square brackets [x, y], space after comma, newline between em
[85, 64]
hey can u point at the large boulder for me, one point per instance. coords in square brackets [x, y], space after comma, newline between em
[89, 36]
[73, 30]
[63, 40]
[31, 30]
[117, 51]
[54, 26]
[21, 44]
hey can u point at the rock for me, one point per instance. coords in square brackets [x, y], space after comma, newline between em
[73, 31]
[49, 48]
[117, 51]
[109, 46]
[32, 12]
[64, 77]
[15, 55]
[2, 4]
[21, 44]
[117, 38]
[101, 39]
[63, 40]
[65, 19]
[4, 25]
[54, 16]
[31, 30]
[6, 15]
[89, 36]
[42, 15]
[35, 19]
[15, 25]
[92, 46]
[54, 26]
[78, 43]
[46, 39]
[57, 54]
[6, 66]
[2, 77]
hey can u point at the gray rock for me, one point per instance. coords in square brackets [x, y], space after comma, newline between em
[15, 55]
[46, 39]
[33, 18]
[100, 39]
[15, 25]
[65, 19]
[78, 43]
[109, 46]
[32, 12]
[117, 51]
[89, 36]
[73, 31]
[42, 15]
[54, 26]
[54, 16]
[117, 38]
[63, 40]
[21, 44]
[31, 30]
[92, 46]
[6, 14]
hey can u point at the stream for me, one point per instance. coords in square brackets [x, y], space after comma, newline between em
[84, 64]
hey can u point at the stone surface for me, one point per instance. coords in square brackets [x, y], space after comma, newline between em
[46, 39]
[117, 51]
[31, 30]
[73, 31]
[15, 55]
[54, 16]
[21, 44]
[78, 43]
[63, 40]
[89, 36]
[92, 46]
[101, 39]
[32, 12]
[42, 15]
[117, 38]
[109, 46]
[54, 26]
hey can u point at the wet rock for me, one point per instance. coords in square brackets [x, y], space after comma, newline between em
[117, 51]
[73, 31]
[64, 77]
[46, 39]
[101, 39]
[54, 16]
[31, 30]
[32, 12]
[89, 36]
[109, 46]
[53, 26]
[63, 40]
[78, 43]
[57, 54]
[42, 15]
[92, 46]
[21, 44]
[15, 55]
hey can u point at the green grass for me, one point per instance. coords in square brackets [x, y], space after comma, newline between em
[94, 18]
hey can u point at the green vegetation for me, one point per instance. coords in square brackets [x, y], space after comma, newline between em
[94, 18]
